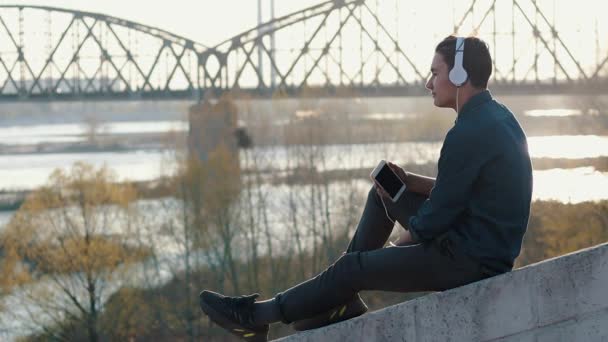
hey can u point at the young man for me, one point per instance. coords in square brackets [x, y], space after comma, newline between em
[463, 226]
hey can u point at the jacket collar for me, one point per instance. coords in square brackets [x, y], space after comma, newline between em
[474, 102]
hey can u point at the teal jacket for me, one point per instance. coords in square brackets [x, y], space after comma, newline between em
[482, 194]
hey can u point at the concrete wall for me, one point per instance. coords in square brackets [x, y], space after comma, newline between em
[561, 299]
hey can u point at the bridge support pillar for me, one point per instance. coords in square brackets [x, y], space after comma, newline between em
[212, 131]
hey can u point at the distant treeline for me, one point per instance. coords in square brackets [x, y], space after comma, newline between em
[600, 163]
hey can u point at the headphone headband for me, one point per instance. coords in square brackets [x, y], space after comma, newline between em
[458, 75]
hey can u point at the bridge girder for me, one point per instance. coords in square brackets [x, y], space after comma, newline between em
[338, 48]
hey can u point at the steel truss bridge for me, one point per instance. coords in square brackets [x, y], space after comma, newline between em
[336, 48]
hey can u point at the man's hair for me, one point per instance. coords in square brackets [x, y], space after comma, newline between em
[477, 60]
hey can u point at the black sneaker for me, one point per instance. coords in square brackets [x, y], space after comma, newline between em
[354, 308]
[234, 314]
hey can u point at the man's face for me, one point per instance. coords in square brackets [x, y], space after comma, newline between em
[443, 91]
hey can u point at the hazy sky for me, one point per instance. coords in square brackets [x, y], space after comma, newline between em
[205, 21]
[211, 21]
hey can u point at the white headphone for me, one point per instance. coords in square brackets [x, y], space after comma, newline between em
[458, 75]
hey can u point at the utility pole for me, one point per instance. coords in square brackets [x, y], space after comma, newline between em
[272, 47]
[260, 50]
[261, 31]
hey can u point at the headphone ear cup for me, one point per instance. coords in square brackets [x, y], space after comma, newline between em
[458, 75]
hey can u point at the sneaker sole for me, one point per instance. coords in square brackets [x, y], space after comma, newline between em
[235, 329]
[339, 314]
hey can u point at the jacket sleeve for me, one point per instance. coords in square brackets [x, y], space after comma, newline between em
[458, 167]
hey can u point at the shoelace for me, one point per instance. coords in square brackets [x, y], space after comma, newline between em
[242, 308]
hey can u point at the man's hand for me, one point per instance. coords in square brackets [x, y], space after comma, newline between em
[381, 191]
[399, 172]
[404, 240]
[414, 183]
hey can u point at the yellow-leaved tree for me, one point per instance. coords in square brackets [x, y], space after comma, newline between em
[69, 248]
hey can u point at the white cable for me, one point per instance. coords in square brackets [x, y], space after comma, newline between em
[457, 108]
[385, 210]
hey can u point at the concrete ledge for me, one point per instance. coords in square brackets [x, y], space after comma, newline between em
[561, 299]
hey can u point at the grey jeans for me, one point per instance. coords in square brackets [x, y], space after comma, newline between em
[366, 265]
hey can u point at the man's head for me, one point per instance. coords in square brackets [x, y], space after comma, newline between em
[477, 63]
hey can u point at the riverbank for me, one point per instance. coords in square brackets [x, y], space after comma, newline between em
[10, 200]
